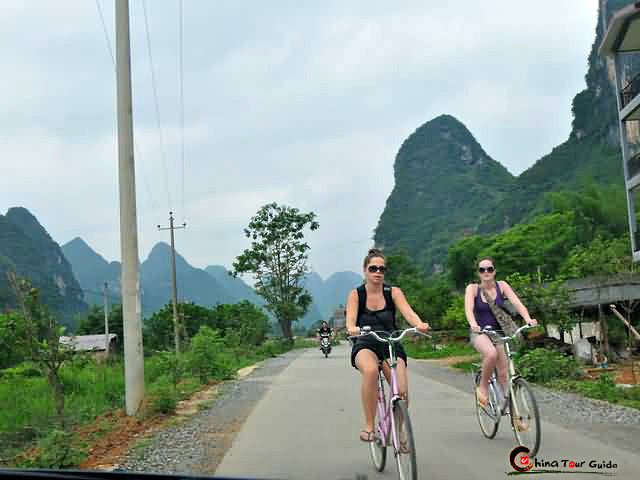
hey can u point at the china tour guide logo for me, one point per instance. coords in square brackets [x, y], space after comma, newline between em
[522, 464]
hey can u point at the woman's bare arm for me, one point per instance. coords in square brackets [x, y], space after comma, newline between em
[352, 313]
[515, 301]
[405, 309]
[469, 297]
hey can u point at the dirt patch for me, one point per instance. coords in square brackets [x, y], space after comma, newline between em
[627, 373]
[114, 434]
[123, 432]
[191, 406]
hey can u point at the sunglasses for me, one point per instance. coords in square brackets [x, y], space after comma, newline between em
[488, 269]
[376, 268]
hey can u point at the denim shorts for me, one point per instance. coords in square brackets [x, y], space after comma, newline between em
[473, 335]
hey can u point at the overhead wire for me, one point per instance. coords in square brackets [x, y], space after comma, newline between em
[135, 143]
[157, 104]
[181, 68]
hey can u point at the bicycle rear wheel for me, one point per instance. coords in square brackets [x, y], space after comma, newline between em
[525, 417]
[406, 453]
[489, 416]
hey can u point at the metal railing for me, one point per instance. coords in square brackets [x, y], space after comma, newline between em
[630, 91]
[633, 165]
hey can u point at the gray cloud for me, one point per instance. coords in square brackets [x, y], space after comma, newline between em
[301, 104]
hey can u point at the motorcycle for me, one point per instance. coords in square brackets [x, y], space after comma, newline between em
[325, 345]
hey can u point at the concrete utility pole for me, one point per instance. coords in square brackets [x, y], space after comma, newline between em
[106, 319]
[176, 327]
[133, 355]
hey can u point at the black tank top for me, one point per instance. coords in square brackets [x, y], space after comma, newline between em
[384, 319]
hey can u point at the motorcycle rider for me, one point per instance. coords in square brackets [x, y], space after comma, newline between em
[325, 331]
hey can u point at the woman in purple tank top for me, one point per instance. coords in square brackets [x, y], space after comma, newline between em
[479, 315]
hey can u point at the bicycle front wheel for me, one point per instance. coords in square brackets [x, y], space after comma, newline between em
[489, 416]
[525, 417]
[378, 451]
[405, 444]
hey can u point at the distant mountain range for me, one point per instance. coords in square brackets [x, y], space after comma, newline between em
[208, 286]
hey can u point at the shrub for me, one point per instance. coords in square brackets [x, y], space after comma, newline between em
[542, 365]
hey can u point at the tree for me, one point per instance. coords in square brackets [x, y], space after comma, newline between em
[278, 260]
[600, 257]
[244, 318]
[11, 327]
[547, 302]
[40, 339]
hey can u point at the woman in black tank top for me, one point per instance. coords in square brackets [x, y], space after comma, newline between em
[374, 304]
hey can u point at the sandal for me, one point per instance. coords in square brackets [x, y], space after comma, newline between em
[522, 425]
[369, 436]
[481, 397]
[403, 448]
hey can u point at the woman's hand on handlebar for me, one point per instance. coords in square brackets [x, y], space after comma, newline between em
[423, 327]
[353, 331]
[476, 328]
[532, 322]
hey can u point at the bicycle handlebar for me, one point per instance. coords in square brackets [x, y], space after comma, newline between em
[491, 333]
[365, 331]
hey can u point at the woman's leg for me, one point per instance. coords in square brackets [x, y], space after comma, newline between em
[367, 363]
[483, 345]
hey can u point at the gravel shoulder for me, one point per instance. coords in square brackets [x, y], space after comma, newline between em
[614, 425]
[197, 444]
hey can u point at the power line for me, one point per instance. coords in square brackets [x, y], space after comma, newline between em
[106, 33]
[113, 60]
[181, 57]
[156, 102]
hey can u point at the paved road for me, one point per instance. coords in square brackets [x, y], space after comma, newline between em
[306, 426]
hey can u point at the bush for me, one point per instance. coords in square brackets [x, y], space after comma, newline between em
[604, 388]
[455, 317]
[206, 358]
[162, 396]
[541, 365]
[21, 371]
[57, 450]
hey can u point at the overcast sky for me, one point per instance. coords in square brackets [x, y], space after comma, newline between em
[302, 103]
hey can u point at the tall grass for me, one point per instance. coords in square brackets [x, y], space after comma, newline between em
[92, 388]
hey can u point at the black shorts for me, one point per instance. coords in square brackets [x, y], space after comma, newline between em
[380, 349]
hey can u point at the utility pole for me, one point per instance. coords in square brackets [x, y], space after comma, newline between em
[176, 328]
[133, 355]
[106, 319]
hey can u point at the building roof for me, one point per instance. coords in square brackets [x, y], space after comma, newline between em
[623, 34]
[600, 290]
[87, 343]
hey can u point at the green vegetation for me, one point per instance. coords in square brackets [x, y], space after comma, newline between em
[422, 216]
[602, 388]
[47, 397]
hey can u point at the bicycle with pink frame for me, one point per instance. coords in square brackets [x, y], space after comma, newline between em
[393, 425]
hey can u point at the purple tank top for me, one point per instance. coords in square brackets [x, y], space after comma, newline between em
[482, 311]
